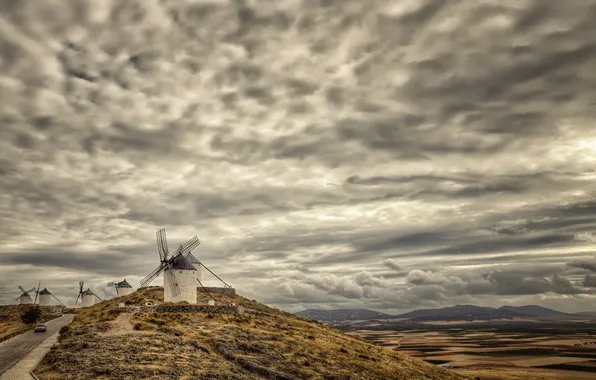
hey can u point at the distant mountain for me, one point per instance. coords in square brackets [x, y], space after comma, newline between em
[453, 313]
[534, 311]
[459, 313]
[586, 313]
[342, 314]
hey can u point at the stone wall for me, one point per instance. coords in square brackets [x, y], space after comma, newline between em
[208, 309]
[218, 290]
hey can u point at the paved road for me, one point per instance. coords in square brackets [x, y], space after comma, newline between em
[15, 349]
[22, 370]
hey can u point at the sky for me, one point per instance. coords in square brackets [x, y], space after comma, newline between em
[389, 155]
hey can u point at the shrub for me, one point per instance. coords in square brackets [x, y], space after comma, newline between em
[31, 315]
[343, 350]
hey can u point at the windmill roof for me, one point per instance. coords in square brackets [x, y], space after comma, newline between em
[182, 263]
[192, 258]
[88, 292]
[45, 291]
[123, 284]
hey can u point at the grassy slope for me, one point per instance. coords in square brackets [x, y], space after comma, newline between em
[10, 319]
[270, 344]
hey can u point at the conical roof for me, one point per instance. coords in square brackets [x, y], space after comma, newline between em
[123, 284]
[182, 263]
[88, 292]
[45, 291]
[192, 258]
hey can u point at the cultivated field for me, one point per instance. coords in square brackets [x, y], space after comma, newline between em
[497, 350]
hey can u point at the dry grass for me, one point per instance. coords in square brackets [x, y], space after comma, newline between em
[10, 319]
[263, 343]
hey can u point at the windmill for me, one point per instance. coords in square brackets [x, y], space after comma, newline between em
[123, 288]
[45, 296]
[25, 298]
[87, 296]
[179, 274]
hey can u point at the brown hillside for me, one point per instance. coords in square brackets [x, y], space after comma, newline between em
[264, 343]
[10, 318]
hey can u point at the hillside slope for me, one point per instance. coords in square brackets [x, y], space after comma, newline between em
[264, 343]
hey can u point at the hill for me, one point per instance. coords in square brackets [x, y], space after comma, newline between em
[459, 313]
[263, 343]
[534, 311]
[10, 318]
[342, 314]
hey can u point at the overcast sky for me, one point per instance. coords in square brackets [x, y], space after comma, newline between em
[383, 154]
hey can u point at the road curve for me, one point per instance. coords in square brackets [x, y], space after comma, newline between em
[16, 348]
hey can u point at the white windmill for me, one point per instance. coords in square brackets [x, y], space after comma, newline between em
[179, 274]
[123, 288]
[44, 296]
[87, 297]
[25, 298]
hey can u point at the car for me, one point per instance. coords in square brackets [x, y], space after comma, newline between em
[40, 328]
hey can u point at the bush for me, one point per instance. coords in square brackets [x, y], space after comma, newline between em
[31, 315]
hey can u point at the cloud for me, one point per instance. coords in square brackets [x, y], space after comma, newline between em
[586, 265]
[392, 264]
[340, 153]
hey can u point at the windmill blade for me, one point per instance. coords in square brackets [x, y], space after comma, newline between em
[37, 292]
[100, 300]
[16, 299]
[58, 299]
[162, 244]
[81, 284]
[30, 290]
[153, 275]
[77, 300]
[188, 246]
[171, 278]
[22, 290]
[110, 284]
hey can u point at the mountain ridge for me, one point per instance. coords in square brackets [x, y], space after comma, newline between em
[457, 312]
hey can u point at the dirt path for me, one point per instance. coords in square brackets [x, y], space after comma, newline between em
[121, 325]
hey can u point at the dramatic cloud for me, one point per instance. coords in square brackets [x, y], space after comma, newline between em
[328, 153]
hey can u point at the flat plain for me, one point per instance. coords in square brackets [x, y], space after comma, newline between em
[496, 350]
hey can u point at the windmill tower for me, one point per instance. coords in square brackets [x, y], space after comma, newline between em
[87, 297]
[25, 298]
[44, 297]
[123, 288]
[179, 274]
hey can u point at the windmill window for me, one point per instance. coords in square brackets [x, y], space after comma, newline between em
[180, 272]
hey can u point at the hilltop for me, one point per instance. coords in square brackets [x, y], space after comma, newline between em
[10, 318]
[263, 343]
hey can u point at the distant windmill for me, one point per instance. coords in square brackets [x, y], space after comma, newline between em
[179, 274]
[123, 288]
[25, 298]
[45, 296]
[87, 297]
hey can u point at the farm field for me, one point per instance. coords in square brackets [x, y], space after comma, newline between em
[495, 351]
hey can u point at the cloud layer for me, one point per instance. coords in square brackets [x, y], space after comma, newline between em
[384, 154]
